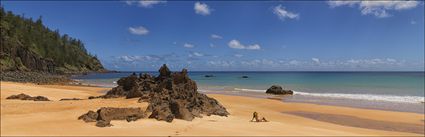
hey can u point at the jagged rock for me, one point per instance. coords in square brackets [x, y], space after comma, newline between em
[104, 115]
[144, 98]
[90, 116]
[23, 96]
[66, 99]
[244, 77]
[109, 113]
[276, 89]
[170, 95]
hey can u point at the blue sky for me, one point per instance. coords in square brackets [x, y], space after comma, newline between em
[254, 35]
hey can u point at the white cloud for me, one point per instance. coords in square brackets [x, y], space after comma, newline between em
[202, 9]
[235, 44]
[377, 8]
[129, 2]
[145, 3]
[138, 30]
[198, 54]
[337, 3]
[369, 62]
[138, 58]
[221, 63]
[187, 45]
[280, 11]
[413, 22]
[238, 55]
[253, 47]
[212, 45]
[316, 60]
[215, 36]
[294, 62]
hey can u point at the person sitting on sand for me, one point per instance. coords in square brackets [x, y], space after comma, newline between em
[256, 118]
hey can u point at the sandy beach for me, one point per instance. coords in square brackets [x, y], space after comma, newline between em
[48, 118]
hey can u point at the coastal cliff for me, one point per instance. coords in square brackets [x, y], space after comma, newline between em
[28, 45]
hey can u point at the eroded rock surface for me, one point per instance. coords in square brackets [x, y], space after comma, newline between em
[23, 96]
[104, 115]
[170, 95]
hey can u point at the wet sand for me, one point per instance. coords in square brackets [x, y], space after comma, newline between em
[354, 121]
[54, 118]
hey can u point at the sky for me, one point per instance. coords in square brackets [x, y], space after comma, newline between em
[241, 35]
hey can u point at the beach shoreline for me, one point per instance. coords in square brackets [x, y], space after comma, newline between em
[342, 102]
[19, 117]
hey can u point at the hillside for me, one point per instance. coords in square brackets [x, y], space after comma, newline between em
[29, 46]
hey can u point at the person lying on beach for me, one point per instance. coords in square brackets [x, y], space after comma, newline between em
[256, 118]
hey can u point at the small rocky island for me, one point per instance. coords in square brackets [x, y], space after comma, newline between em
[170, 95]
[276, 89]
[207, 76]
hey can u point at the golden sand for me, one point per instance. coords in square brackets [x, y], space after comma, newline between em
[26, 118]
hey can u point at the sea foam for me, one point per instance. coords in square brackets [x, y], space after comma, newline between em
[370, 97]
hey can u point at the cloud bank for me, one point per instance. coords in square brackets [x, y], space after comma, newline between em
[376, 8]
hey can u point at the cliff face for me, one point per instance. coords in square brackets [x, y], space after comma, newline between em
[28, 45]
[25, 60]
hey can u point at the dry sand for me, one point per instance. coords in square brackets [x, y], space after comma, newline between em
[29, 118]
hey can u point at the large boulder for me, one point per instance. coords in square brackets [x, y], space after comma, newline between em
[104, 115]
[276, 89]
[170, 95]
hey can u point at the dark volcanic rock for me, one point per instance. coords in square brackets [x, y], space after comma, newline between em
[170, 95]
[27, 97]
[34, 77]
[244, 77]
[66, 99]
[276, 89]
[144, 98]
[209, 76]
[104, 115]
[90, 116]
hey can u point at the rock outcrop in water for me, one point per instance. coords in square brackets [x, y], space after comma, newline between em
[170, 95]
[23, 96]
[104, 115]
[276, 89]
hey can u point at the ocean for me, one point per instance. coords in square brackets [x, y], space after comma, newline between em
[395, 91]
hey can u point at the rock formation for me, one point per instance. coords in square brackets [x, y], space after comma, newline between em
[276, 89]
[23, 96]
[170, 95]
[104, 115]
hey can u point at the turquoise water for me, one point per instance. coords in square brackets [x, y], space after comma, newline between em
[371, 88]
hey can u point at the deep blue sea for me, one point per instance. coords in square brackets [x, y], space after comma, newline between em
[379, 90]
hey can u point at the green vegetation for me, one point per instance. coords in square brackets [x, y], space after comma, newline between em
[28, 45]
